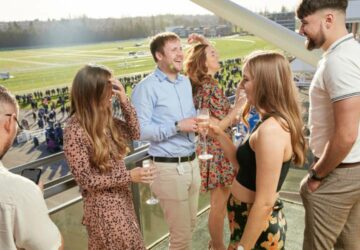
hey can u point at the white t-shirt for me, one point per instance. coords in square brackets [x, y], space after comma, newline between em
[24, 219]
[337, 78]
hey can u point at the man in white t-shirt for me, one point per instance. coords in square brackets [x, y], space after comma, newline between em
[331, 191]
[24, 220]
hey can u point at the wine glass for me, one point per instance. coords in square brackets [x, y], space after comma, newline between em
[203, 119]
[152, 200]
[240, 131]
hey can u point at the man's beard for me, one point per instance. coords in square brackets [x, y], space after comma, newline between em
[173, 68]
[316, 43]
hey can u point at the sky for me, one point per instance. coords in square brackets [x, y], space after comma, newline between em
[20, 10]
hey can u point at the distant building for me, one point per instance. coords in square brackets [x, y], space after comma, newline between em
[210, 32]
[286, 19]
[223, 30]
[179, 30]
[199, 30]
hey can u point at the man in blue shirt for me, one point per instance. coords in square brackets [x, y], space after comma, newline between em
[166, 113]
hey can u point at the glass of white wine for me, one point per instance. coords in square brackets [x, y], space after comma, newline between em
[152, 200]
[203, 120]
[240, 132]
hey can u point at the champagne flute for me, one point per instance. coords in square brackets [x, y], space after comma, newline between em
[152, 200]
[240, 130]
[203, 119]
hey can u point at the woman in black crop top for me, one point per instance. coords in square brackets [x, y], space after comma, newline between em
[254, 209]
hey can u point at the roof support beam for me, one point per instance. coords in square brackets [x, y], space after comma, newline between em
[262, 27]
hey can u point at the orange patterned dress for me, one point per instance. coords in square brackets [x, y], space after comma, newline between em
[217, 172]
[109, 214]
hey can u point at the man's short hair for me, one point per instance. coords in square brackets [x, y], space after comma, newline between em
[157, 43]
[6, 98]
[308, 7]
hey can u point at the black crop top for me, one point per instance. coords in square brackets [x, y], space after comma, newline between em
[247, 171]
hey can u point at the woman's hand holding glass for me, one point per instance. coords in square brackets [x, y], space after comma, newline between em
[144, 174]
[215, 131]
[148, 165]
[239, 131]
[240, 102]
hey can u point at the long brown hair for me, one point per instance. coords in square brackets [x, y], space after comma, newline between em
[195, 65]
[275, 94]
[90, 96]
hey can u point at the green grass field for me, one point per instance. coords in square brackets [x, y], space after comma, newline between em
[43, 68]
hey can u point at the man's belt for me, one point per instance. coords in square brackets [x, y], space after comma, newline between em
[343, 165]
[174, 159]
[349, 165]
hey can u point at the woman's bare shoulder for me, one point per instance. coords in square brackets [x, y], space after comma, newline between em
[272, 129]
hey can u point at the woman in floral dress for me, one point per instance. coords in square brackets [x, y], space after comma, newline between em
[95, 145]
[217, 174]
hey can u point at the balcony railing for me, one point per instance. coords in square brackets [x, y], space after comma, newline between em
[65, 202]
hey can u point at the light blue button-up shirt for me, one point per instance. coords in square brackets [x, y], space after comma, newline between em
[159, 103]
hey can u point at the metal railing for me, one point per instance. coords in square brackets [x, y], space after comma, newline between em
[64, 183]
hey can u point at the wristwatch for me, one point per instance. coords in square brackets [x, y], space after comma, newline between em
[313, 175]
[177, 126]
[240, 247]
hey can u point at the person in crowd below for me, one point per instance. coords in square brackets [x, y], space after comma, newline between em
[95, 145]
[254, 209]
[165, 108]
[24, 219]
[34, 116]
[331, 191]
[217, 174]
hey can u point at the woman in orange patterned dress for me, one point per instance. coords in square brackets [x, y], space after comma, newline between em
[201, 64]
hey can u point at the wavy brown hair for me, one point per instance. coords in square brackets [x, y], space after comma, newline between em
[195, 65]
[90, 94]
[275, 95]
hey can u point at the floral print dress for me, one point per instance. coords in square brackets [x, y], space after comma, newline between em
[109, 214]
[217, 172]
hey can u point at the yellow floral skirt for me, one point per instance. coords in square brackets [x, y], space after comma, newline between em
[272, 237]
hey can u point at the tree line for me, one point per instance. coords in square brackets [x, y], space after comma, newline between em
[88, 30]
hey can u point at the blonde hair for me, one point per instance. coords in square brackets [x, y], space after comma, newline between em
[275, 95]
[195, 65]
[90, 91]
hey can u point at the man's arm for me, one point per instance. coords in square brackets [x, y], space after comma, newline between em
[346, 118]
[33, 227]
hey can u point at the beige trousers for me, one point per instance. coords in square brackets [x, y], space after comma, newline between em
[332, 212]
[179, 196]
